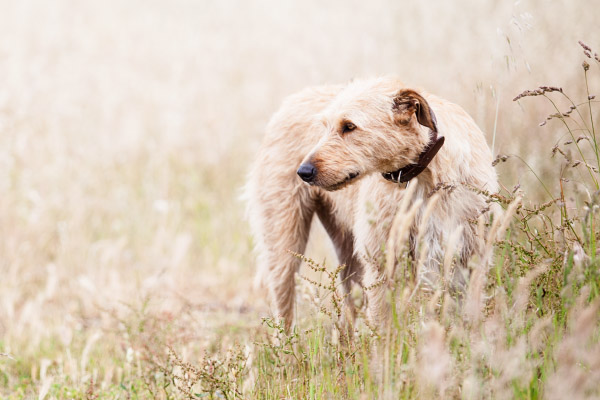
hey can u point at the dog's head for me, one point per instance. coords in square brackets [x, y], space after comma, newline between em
[370, 127]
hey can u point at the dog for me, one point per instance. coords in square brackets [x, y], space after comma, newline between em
[345, 153]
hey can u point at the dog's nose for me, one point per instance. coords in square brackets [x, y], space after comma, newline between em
[307, 172]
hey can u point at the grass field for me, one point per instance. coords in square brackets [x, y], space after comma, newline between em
[126, 129]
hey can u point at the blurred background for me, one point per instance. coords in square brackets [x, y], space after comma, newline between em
[127, 127]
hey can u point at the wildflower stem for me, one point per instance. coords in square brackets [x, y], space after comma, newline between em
[574, 139]
[593, 132]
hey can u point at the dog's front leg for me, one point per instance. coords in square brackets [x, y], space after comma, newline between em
[377, 205]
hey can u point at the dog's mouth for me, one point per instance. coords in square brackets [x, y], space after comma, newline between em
[351, 177]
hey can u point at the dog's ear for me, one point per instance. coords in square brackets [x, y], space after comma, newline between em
[408, 102]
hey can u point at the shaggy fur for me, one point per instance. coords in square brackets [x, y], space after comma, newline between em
[350, 197]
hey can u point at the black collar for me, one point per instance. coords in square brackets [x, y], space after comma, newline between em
[410, 171]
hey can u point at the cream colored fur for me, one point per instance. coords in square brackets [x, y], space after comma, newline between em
[358, 214]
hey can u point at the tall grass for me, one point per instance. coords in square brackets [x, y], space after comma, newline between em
[125, 132]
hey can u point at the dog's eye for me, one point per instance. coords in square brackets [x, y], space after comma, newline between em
[348, 127]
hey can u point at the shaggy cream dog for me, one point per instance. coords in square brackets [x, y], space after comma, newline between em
[346, 153]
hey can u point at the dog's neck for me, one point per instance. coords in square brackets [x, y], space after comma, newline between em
[407, 173]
